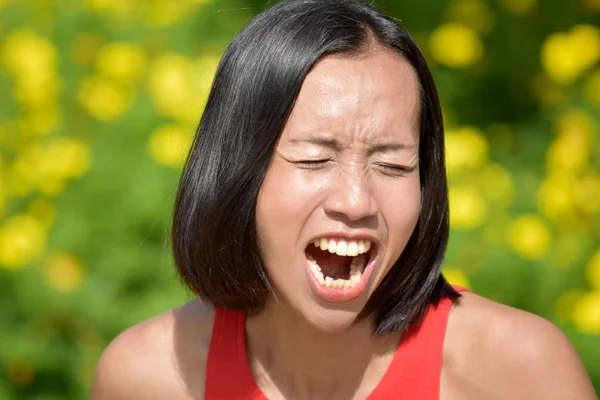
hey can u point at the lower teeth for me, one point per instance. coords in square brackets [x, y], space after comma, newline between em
[356, 270]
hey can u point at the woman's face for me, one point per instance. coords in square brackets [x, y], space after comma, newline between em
[342, 195]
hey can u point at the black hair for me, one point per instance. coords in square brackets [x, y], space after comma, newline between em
[214, 234]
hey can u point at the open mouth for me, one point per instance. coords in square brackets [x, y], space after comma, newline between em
[337, 263]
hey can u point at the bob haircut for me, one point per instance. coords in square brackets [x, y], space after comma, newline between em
[214, 234]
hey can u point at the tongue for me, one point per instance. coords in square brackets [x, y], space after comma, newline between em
[332, 265]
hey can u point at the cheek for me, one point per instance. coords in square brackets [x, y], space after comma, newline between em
[280, 200]
[285, 202]
[400, 208]
[400, 201]
[289, 193]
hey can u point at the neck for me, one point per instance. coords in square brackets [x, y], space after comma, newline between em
[292, 359]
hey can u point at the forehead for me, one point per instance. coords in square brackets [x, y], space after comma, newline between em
[365, 98]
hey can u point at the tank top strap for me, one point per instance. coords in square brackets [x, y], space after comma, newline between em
[228, 375]
[417, 365]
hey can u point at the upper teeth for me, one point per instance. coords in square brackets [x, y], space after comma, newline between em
[340, 247]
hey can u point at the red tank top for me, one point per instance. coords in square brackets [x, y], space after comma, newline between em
[414, 372]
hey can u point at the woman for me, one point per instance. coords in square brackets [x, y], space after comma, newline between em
[311, 222]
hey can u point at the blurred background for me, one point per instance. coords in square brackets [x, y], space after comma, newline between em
[99, 100]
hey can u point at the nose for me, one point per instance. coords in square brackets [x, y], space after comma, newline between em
[351, 197]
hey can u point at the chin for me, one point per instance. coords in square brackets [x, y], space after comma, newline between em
[330, 320]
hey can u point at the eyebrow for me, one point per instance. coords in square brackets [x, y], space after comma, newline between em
[335, 145]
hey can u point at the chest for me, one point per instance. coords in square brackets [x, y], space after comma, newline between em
[450, 388]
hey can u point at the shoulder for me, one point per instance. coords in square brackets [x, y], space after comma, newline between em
[163, 357]
[499, 352]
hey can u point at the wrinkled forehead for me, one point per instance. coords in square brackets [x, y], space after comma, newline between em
[364, 98]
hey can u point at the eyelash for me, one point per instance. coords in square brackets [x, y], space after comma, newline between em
[396, 168]
[314, 164]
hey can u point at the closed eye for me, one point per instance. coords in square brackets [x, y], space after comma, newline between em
[396, 169]
[313, 164]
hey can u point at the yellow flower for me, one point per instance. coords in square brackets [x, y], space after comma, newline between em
[586, 313]
[561, 195]
[104, 99]
[128, 11]
[586, 38]
[32, 60]
[466, 148]
[37, 91]
[68, 158]
[47, 167]
[169, 145]
[566, 56]
[26, 54]
[22, 240]
[496, 184]
[456, 45]
[163, 13]
[40, 121]
[571, 149]
[593, 270]
[52, 186]
[27, 170]
[588, 187]
[2, 197]
[591, 87]
[566, 303]
[475, 14]
[43, 211]
[64, 272]
[519, 7]
[20, 372]
[206, 67]
[170, 83]
[559, 60]
[577, 123]
[125, 62]
[529, 236]
[16, 186]
[456, 276]
[468, 210]
[30, 167]
[179, 87]
[556, 197]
